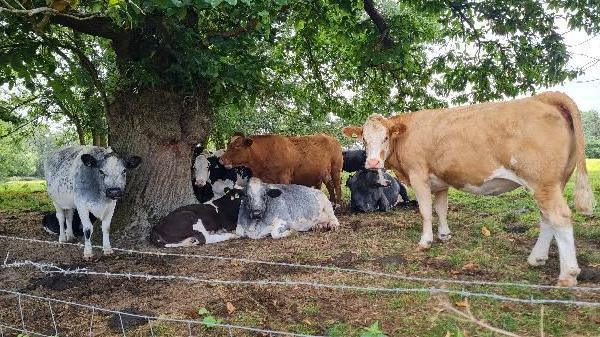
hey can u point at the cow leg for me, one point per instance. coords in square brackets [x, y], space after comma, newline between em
[441, 209]
[106, 248]
[557, 214]
[539, 253]
[280, 229]
[86, 223]
[60, 215]
[422, 190]
[68, 213]
[214, 238]
[331, 190]
[336, 176]
[403, 194]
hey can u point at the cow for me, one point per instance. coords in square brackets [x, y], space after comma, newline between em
[372, 190]
[278, 210]
[303, 160]
[51, 225]
[488, 149]
[354, 160]
[211, 178]
[199, 224]
[89, 179]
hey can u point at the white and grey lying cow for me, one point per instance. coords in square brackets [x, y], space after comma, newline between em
[211, 178]
[89, 179]
[280, 209]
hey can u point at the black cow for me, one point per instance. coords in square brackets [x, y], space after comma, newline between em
[354, 160]
[199, 224]
[210, 178]
[372, 190]
[50, 223]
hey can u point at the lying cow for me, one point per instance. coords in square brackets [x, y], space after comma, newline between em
[193, 225]
[307, 160]
[280, 209]
[354, 160]
[51, 225]
[372, 190]
[489, 149]
[89, 179]
[211, 178]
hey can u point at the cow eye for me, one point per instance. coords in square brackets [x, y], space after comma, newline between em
[102, 172]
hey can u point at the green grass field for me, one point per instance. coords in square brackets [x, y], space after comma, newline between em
[511, 220]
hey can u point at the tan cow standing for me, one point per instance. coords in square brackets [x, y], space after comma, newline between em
[490, 149]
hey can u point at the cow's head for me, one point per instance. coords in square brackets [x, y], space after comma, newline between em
[256, 195]
[201, 169]
[110, 170]
[364, 188]
[238, 153]
[376, 133]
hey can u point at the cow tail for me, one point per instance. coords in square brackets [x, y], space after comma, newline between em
[583, 195]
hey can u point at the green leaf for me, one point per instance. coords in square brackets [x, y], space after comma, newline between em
[231, 2]
[299, 25]
[115, 3]
[203, 311]
[210, 321]
[215, 3]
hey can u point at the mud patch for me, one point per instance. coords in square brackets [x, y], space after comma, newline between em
[391, 260]
[129, 322]
[589, 274]
[516, 228]
[59, 282]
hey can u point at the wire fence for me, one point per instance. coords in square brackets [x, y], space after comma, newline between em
[50, 268]
[324, 268]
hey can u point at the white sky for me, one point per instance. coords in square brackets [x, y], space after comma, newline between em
[585, 52]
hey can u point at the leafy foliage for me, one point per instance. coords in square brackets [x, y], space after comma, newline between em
[591, 130]
[283, 63]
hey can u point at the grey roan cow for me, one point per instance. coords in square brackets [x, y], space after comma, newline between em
[279, 210]
[89, 179]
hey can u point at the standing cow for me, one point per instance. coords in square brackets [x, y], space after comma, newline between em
[277, 210]
[304, 160]
[89, 179]
[489, 149]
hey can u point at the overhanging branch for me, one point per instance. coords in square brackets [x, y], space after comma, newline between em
[379, 21]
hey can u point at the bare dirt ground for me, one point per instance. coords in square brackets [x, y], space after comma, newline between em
[380, 242]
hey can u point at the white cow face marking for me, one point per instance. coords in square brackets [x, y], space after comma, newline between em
[256, 194]
[201, 169]
[110, 174]
[376, 134]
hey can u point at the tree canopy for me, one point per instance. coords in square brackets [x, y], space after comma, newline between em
[303, 60]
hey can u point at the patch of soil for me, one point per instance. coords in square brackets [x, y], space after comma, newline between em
[129, 322]
[589, 274]
[391, 260]
[516, 228]
[59, 282]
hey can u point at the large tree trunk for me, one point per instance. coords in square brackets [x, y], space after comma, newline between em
[162, 127]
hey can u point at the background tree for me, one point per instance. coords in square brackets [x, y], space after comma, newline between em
[181, 64]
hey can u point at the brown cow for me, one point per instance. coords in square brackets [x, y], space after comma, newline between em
[304, 160]
[489, 149]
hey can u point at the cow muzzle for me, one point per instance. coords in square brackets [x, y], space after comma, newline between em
[200, 182]
[225, 163]
[256, 214]
[373, 163]
[114, 193]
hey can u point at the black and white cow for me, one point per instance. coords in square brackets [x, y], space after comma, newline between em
[89, 179]
[211, 177]
[51, 225]
[372, 190]
[199, 224]
[354, 160]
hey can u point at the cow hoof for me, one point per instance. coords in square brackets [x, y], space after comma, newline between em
[88, 256]
[567, 282]
[536, 261]
[70, 238]
[62, 239]
[445, 237]
[424, 245]
[108, 251]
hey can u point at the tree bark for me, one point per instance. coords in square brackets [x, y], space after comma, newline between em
[162, 127]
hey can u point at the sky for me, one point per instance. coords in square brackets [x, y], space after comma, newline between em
[585, 52]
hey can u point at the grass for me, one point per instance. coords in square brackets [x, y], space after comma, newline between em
[512, 221]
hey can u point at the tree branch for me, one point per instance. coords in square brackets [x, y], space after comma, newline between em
[379, 21]
[236, 32]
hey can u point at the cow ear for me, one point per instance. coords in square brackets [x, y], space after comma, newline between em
[274, 192]
[397, 129]
[132, 162]
[247, 142]
[352, 131]
[88, 160]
